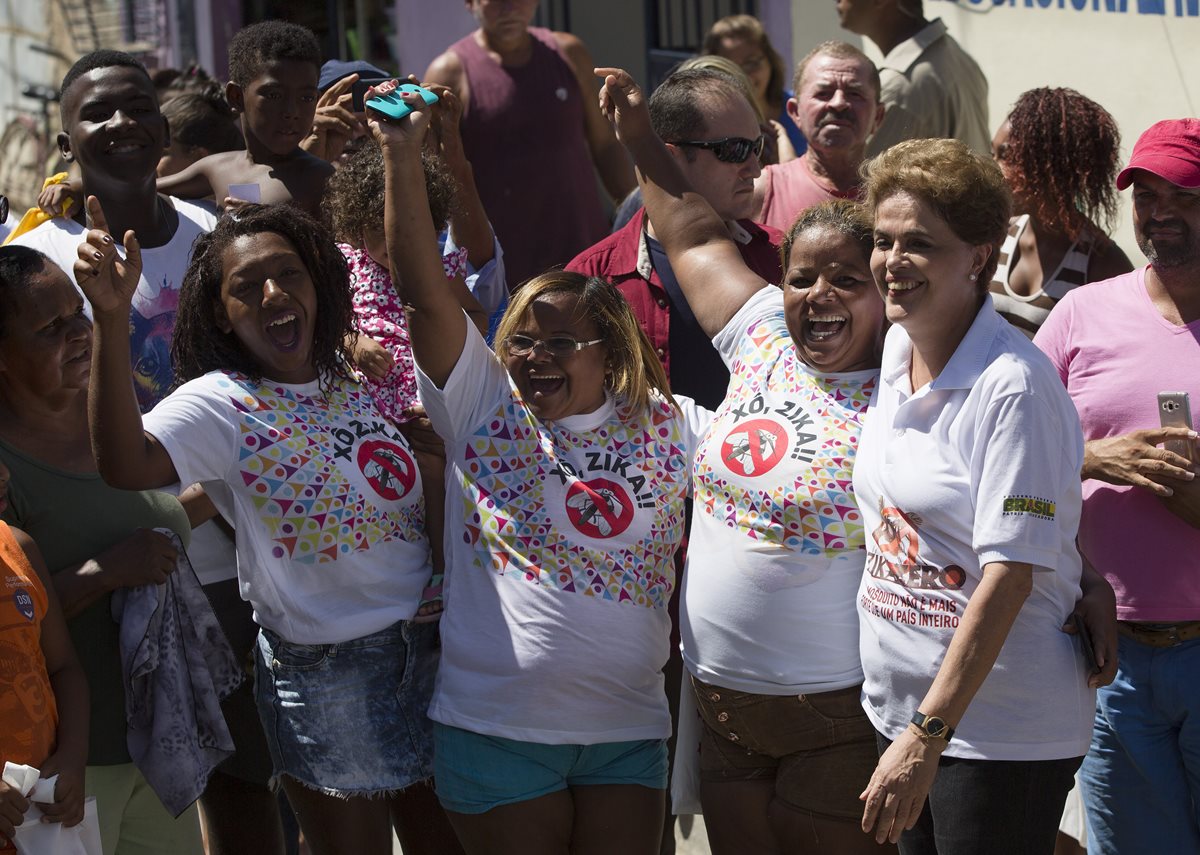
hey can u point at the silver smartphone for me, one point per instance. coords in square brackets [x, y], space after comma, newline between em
[1175, 410]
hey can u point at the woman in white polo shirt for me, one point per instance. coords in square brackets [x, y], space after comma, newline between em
[968, 479]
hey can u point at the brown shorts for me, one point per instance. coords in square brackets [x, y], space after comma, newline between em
[820, 749]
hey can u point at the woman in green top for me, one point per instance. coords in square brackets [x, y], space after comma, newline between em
[95, 539]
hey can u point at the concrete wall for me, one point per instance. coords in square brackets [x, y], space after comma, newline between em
[1138, 58]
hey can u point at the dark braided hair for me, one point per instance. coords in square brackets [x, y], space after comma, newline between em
[1062, 155]
[198, 344]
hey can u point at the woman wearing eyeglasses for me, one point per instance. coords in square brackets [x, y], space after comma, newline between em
[570, 461]
[776, 550]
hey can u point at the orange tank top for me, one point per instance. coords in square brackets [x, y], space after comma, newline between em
[28, 715]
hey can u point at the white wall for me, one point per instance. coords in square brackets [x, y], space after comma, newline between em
[1140, 59]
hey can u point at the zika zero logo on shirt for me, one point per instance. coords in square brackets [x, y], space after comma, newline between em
[601, 496]
[753, 448]
[600, 508]
[388, 468]
[764, 431]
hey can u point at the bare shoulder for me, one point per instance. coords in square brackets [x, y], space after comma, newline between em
[32, 553]
[446, 69]
[575, 50]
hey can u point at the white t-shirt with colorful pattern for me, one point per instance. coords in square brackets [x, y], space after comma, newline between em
[324, 493]
[559, 559]
[776, 549]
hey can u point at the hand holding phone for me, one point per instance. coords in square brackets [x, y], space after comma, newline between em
[358, 91]
[392, 106]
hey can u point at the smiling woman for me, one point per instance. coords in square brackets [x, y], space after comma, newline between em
[776, 548]
[968, 480]
[568, 462]
[326, 498]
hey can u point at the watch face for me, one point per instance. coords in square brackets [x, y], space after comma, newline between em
[934, 725]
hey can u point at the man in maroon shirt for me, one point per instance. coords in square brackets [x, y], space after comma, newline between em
[711, 130]
[532, 130]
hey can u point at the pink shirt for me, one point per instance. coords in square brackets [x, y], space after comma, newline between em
[791, 188]
[1115, 353]
[378, 313]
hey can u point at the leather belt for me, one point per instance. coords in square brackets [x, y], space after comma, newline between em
[1160, 635]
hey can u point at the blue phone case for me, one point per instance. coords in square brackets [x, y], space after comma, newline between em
[391, 104]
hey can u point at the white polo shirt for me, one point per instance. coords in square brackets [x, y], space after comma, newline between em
[979, 466]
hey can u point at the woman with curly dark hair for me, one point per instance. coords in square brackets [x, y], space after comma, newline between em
[1059, 152]
[326, 498]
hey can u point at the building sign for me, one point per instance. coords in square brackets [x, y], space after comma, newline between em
[1172, 8]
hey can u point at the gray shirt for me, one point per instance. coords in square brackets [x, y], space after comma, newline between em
[932, 88]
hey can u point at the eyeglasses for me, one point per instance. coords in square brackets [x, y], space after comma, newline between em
[730, 149]
[557, 345]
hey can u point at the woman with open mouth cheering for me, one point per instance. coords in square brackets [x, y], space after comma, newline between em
[569, 464]
[326, 498]
[770, 632]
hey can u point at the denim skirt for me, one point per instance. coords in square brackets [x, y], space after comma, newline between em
[349, 719]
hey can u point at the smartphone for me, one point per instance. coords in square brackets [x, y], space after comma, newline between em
[1085, 640]
[1175, 410]
[359, 91]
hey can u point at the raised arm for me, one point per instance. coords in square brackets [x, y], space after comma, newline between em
[468, 221]
[705, 259]
[437, 325]
[611, 160]
[126, 456]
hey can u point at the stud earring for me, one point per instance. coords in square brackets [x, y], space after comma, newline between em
[972, 277]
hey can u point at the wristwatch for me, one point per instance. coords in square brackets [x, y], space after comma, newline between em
[932, 726]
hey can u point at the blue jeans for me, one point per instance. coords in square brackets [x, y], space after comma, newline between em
[991, 807]
[349, 719]
[1141, 779]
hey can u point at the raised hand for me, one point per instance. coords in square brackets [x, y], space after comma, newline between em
[624, 104]
[107, 280]
[334, 123]
[408, 132]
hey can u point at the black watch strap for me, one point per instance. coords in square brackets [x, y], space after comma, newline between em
[932, 726]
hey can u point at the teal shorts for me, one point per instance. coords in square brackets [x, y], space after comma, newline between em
[474, 773]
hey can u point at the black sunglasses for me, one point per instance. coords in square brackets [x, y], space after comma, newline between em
[730, 149]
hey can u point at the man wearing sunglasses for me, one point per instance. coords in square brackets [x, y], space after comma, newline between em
[711, 130]
[837, 108]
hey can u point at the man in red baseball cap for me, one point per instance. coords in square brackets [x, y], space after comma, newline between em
[1117, 345]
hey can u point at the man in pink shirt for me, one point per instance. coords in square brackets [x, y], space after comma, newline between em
[1117, 344]
[837, 107]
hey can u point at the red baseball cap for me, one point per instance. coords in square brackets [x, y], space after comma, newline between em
[1169, 149]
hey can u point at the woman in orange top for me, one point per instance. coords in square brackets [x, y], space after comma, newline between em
[43, 693]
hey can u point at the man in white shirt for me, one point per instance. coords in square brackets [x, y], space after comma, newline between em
[113, 129]
[931, 86]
